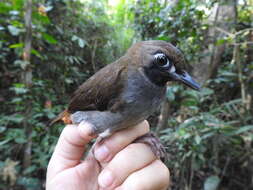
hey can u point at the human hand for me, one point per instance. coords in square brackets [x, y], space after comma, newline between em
[117, 164]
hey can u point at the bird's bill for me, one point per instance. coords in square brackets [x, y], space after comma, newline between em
[185, 78]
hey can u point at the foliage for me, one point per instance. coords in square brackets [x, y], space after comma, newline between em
[207, 142]
[212, 138]
[65, 36]
[210, 132]
[182, 24]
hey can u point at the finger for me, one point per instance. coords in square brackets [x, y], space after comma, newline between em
[80, 176]
[134, 157]
[119, 140]
[70, 147]
[155, 176]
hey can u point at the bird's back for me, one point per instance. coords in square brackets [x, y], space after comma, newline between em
[101, 90]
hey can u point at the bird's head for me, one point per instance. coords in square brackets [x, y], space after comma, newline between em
[161, 62]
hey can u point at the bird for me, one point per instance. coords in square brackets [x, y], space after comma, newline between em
[127, 91]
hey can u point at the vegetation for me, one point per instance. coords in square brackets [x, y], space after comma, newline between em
[49, 47]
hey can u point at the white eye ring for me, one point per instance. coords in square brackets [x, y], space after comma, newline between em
[162, 56]
[172, 69]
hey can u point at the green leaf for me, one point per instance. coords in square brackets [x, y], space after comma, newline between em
[241, 130]
[18, 45]
[74, 38]
[36, 53]
[4, 142]
[19, 88]
[20, 140]
[164, 38]
[50, 39]
[171, 90]
[69, 80]
[21, 63]
[5, 7]
[2, 129]
[189, 102]
[13, 30]
[40, 19]
[29, 170]
[15, 118]
[197, 139]
[206, 91]
[16, 100]
[18, 4]
[14, 12]
[29, 182]
[81, 43]
[170, 95]
[220, 42]
[212, 183]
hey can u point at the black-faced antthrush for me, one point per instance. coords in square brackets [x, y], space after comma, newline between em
[126, 92]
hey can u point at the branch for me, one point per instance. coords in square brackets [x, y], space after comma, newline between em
[225, 32]
[233, 35]
[242, 43]
[244, 30]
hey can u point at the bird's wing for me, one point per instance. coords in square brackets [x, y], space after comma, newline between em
[101, 91]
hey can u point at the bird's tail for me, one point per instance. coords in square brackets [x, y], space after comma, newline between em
[64, 116]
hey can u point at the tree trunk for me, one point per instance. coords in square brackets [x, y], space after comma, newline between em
[163, 117]
[93, 56]
[249, 59]
[224, 16]
[26, 78]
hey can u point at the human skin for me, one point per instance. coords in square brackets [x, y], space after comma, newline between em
[117, 164]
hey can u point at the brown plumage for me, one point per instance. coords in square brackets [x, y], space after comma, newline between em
[99, 92]
[126, 92]
[128, 86]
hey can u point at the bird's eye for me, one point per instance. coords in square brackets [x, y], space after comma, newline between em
[161, 60]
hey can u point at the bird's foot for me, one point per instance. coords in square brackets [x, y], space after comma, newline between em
[102, 136]
[155, 144]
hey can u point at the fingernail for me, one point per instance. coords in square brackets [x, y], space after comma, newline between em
[87, 127]
[105, 179]
[102, 153]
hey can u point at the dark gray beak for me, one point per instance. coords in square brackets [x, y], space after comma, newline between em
[185, 78]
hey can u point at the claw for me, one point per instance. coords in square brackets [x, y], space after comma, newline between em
[154, 143]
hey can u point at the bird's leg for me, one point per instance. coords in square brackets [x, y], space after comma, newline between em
[154, 143]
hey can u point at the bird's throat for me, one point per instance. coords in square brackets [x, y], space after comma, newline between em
[155, 77]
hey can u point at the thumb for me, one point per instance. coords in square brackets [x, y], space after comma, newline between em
[70, 147]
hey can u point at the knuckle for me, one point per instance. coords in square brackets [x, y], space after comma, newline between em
[131, 147]
[65, 133]
[164, 173]
[139, 150]
[135, 149]
[81, 131]
[66, 129]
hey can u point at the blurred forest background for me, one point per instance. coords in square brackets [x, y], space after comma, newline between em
[49, 47]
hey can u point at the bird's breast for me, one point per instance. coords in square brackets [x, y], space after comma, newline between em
[141, 96]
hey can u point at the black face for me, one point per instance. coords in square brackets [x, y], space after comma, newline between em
[162, 70]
